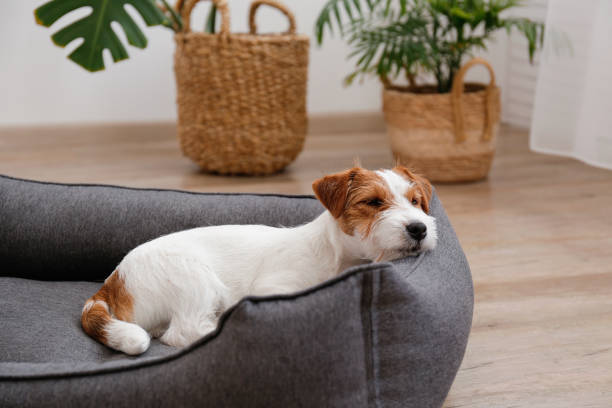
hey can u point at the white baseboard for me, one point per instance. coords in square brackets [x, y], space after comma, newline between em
[318, 124]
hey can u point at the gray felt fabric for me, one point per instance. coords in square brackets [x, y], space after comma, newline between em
[380, 335]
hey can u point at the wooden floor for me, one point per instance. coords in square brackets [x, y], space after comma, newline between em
[538, 235]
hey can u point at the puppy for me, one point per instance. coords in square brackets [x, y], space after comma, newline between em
[176, 286]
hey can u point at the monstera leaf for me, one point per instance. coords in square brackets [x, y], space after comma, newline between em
[95, 29]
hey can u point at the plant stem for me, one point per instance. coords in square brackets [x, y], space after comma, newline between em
[410, 78]
[211, 20]
[178, 21]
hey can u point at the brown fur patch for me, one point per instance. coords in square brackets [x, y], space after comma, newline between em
[116, 298]
[332, 191]
[95, 320]
[354, 197]
[421, 191]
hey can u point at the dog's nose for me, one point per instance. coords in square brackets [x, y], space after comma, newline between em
[417, 230]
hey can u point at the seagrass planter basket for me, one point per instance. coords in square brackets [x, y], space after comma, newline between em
[446, 137]
[241, 97]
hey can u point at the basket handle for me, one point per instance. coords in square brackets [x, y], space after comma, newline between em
[457, 92]
[185, 7]
[272, 3]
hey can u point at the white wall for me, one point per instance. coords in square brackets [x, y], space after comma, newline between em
[38, 85]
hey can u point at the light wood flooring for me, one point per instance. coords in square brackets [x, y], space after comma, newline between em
[537, 233]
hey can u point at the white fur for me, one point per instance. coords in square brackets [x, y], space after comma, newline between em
[180, 283]
[127, 337]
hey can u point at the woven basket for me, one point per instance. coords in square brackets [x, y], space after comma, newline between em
[241, 97]
[446, 137]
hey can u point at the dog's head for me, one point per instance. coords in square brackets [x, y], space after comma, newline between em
[384, 212]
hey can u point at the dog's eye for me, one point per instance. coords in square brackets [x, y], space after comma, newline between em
[375, 202]
[415, 201]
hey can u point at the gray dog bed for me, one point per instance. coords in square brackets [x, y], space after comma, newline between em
[379, 335]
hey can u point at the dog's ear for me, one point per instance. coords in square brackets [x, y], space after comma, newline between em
[421, 183]
[332, 191]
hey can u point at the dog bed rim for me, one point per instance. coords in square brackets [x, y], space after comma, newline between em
[347, 274]
[53, 183]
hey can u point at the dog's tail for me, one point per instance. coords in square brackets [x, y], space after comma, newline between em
[106, 318]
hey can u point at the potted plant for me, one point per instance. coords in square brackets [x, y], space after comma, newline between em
[437, 124]
[241, 96]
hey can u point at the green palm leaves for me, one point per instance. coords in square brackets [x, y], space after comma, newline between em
[389, 37]
[95, 29]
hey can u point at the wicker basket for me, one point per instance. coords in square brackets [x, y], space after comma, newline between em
[241, 97]
[446, 137]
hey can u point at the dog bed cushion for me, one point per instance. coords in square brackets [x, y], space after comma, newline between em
[379, 335]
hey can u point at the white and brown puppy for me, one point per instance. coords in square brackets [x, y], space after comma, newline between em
[176, 286]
